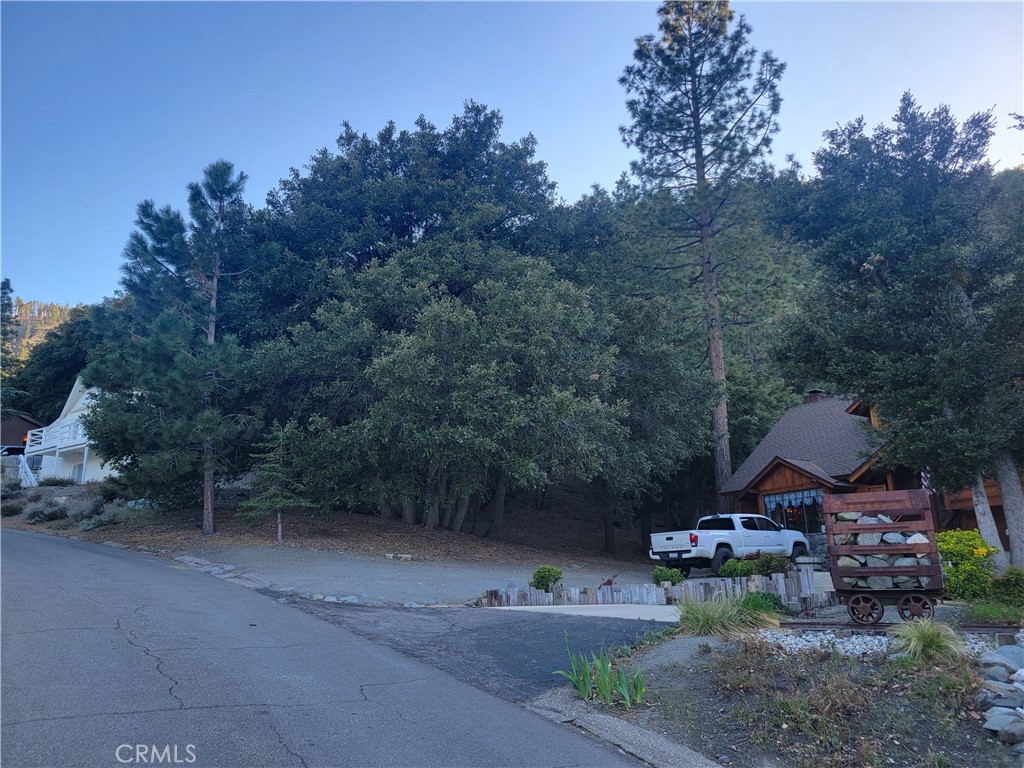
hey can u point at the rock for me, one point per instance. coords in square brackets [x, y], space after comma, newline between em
[850, 582]
[999, 689]
[874, 561]
[894, 538]
[879, 582]
[863, 583]
[924, 559]
[925, 580]
[1014, 653]
[844, 538]
[411, 604]
[847, 562]
[430, 602]
[866, 520]
[884, 519]
[317, 597]
[331, 599]
[1012, 702]
[999, 674]
[1018, 676]
[848, 516]
[917, 538]
[998, 723]
[1018, 748]
[349, 599]
[1013, 733]
[869, 539]
[905, 562]
[1001, 712]
[993, 659]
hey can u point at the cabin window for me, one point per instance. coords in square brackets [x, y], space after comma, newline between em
[796, 510]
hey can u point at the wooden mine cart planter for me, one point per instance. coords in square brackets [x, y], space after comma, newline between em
[882, 552]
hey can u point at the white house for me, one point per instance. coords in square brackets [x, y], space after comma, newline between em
[62, 449]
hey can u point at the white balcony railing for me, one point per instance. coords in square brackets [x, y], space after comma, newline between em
[67, 434]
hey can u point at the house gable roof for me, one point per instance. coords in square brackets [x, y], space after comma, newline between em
[821, 439]
[78, 393]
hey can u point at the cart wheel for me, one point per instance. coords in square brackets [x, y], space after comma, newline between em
[865, 609]
[915, 606]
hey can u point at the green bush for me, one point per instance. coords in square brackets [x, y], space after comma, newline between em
[1009, 588]
[767, 563]
[736, 569]
[993, 613]
[967, 564]
[44, 511]
[56, 481]
[661, 573]
[545, 576]
[81, 508]
[12, 507]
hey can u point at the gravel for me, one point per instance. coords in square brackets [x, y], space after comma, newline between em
[856, 645]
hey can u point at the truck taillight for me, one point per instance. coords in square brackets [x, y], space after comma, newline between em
[693, 539]
[651, 537]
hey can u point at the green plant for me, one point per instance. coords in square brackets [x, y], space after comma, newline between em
[766, 602]
[767, 563]
[638, 686]
[57, 481]
[1009, 588]
[44, 511]
[545, 576]
[80, 508]
[986, 612]
[737, 569]
[967, 564]
[604, 679]
[11, 507]
[927, 639]
[10, 488]
[579, 674]
[661, 573]
[722, 616]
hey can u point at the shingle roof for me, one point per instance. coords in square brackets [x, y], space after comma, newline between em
[822, 435]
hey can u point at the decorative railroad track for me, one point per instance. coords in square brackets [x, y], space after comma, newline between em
[881, 627]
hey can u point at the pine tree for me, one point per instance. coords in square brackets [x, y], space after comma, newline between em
[276, 488]
[702, 117]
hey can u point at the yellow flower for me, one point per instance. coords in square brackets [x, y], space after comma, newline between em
[983, 552]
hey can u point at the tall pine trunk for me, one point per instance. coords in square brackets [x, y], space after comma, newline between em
[987, 523]
[1008, 476]
[460, 514]
[208, 487]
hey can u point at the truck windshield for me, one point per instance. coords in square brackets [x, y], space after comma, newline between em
[716, 524]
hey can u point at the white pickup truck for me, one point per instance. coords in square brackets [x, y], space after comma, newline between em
[718, 538]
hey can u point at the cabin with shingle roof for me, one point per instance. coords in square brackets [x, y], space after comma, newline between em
[820, 447]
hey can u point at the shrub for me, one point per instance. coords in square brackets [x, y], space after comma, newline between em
[722, 616]
[12, 507]
[967, 564]
[44, 511]
[927, 639]
[993, 613]
[56, 481]
[10, 488]
[80, 508]
[1009, 588]
[767, 563]
[737, 569]
[545, 576]
[661, 573]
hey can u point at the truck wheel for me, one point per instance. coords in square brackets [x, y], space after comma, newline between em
[721, 555]
[799, 550]
[683, 569]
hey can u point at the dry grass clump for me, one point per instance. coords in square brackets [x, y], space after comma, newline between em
[927, 639]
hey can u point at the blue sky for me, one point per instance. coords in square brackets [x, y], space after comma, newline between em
[107, 104]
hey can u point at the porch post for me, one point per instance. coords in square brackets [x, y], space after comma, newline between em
[85, 463]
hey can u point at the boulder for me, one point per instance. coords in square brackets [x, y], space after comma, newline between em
[925, 580]
[879, 582]
[917, 538]
[993, 659]
[1014, 654]
[847, 562]
[999, 674]
[850, 582]
[1001, 712]
[999, 689]
[1012, 702]
[884, 519]
[1013, 733]
[999, 722]
[924, 559]
[905, 562]
[894, 538]
[845, 538]
[869, 539]
[849, 516]
[874, 561]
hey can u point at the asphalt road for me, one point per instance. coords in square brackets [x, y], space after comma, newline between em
[106, 653]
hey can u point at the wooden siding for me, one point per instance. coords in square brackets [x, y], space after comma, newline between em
[784, 478]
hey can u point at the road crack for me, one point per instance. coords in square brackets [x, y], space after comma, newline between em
[136, 642]
[287, 749]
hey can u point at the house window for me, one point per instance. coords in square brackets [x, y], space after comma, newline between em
[796, 510]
